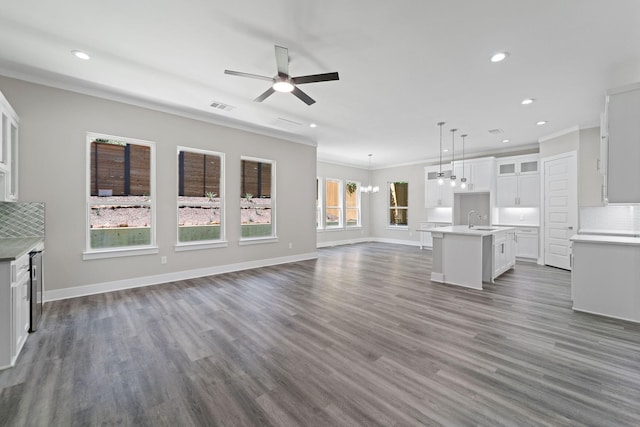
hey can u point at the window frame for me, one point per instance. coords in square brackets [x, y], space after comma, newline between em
[274, 236]
[320, 216]
[358, 206]
[340, 207]
[201, 244]
[120, 251]
[390, 225]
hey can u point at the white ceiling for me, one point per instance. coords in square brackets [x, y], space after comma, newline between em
[404, 65]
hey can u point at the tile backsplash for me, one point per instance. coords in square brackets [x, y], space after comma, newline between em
[611, 219]
[21, 219]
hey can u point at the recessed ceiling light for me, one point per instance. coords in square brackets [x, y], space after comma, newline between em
[528, 101]
[80, 55]
[541, 122]
[500, 56]
[505, 140]
[446, 150]
[313, 125]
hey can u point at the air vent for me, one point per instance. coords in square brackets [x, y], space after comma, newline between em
[496, 131]
[221, 106]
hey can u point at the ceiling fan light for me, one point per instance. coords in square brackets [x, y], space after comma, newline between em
[282, 86]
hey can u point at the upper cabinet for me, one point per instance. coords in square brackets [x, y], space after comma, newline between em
[478, 172]
[438, 195]
[518, 182]
[8, 152]
[622, 143]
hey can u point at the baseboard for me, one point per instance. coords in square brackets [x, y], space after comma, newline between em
[605, 315]
[117, 285]
[343, 242]
[367, 240]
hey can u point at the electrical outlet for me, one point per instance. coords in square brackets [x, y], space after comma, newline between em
[163, 260]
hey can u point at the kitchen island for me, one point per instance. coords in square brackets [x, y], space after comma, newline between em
[465, 256]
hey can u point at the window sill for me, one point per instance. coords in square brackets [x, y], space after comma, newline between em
[194, 246]
[398, 227]
[258, 241]
[119, 252]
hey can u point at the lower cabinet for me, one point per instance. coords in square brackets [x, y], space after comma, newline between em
[504, 252]
[527, 242]
[14, 309]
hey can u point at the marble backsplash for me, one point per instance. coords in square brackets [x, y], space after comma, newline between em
[21, 219]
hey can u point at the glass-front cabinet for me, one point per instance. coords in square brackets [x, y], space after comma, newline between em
[8, 152]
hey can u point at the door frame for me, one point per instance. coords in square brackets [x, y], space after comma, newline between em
[542, 235]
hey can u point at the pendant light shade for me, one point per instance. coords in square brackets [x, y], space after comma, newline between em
[369, 188]
[453, 156]
[463, 180]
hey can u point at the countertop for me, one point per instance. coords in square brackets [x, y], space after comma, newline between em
[475, 231]
[12, 249]
[610, 240]
[518, 225]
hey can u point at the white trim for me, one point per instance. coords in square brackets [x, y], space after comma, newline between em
[222, 184]
[99, 288]
[605, 315]
[89, 252]
[368, 240]
[257, 240]
[197, 245]
[43, 77]
[119, 252]
[342, 242]
[272, 197]
[559, 133]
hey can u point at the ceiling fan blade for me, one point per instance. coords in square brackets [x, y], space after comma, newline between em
[265, 95]
[282, 60]
[315, 78]
[252, 76]
[303, 96]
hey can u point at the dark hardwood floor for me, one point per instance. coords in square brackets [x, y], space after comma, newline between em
[359, 336]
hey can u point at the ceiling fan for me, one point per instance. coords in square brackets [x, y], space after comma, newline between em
[283, 82]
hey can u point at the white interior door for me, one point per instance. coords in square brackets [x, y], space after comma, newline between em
[560, 209]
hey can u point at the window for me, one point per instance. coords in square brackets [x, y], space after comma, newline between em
[200, 197]
[319, 224]
[398, 204]
[333, 203]
[353, 203]
[120, 195]
[257, 196]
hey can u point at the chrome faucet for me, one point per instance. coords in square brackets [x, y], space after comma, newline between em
[469, 218]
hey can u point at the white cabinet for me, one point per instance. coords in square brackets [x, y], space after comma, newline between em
[527, 239]
[437, 195]
[478, 172]
[426, 238]
[504, 252]
[8, 152]
[518, 182]
[623, 140]
[14, 309]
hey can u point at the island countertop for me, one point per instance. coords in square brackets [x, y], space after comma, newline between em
[473, 231]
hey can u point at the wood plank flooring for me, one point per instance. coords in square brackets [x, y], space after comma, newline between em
[359, 336]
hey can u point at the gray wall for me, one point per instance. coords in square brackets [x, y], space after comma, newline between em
[53, 126]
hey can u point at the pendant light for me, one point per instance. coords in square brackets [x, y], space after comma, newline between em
[369, 188]
[440, 174]
[463, 180]
[453, 156]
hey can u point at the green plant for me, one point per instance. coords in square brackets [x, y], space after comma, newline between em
[351, 187]
[210, 195]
